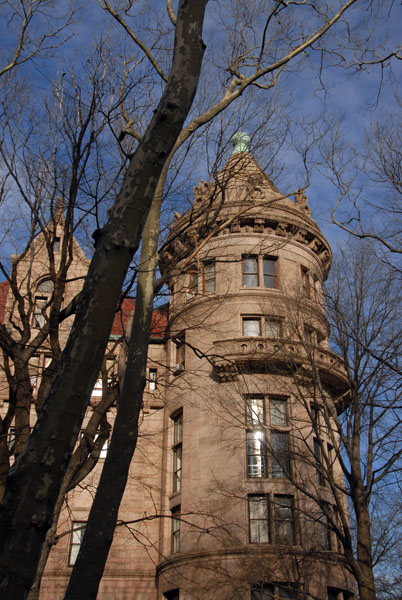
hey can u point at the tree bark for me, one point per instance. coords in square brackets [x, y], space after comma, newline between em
[90, 563]
[34, 481]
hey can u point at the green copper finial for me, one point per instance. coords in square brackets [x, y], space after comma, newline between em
[240, 142]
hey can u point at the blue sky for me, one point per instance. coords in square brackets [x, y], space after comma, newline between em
[351, 99]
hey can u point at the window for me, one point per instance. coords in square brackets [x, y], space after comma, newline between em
[256, 441]
[270, 272]
[255, 412]
[273, 328]
[172, 595]
[259, 448]
[256, 454]
[318, 464]
[11, 437]
[252, 326]
[152, 379]
[44, 290]
[192, 286]
[273, 591]
[175, 529]
[305, 281]
[283, 519]
[325, 532]
[180, 353]
[279, 437]
[104, 449]
[177, 450]
[280, 453]
[309, 335]
[336, 594]
[37, 364]
[260, 271]
[77, 535]
[209, 277]
[250, 271]
[56, 244]
[258, 518]
[260, 326]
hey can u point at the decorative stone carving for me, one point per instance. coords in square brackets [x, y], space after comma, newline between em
[300, 236]
[235, 226]
[314, 244]
[301, 202]
[259, 225]
[201, 190]
[281, 229]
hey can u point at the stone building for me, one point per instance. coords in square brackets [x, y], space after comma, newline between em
[228, 496]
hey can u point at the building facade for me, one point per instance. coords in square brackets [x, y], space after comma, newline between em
[229, 494]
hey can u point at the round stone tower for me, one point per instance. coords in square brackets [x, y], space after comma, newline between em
[246, 436]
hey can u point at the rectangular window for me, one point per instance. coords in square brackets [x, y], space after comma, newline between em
[250, 271]
[318, 464]
[180, 352]
[270, 272]
[251, 326]
[77, 535]
[266, 591]
[175, 529]
[177, 451]
[309, 335]
[283, 520]
[258, 518]
[152, 379]
[280, 453]
[56, 244]
[256, 453]
[273, 328]
[209, 277]
[39, 317]
[192, 288]
[172, 595]
[277, 412]
[305, 280]
[255, 412]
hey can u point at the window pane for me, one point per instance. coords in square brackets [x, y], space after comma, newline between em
[46, 286]
[252, 327]
[256, 454]
[255, 411]
[210, 279]
[280, 455]
[277, 412]
[258, 514]
[269, 272]
[250, 272]
[178, 428]
[264, 592]
[283, 515]
[273, 328]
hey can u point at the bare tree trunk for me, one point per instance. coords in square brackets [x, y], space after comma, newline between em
[34, 481]
[90, 563]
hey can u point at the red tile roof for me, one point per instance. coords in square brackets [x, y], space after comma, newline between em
[126, 310]
[123, 314]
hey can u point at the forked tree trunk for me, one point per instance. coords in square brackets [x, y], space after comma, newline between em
[34, 482]
[89, 566]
